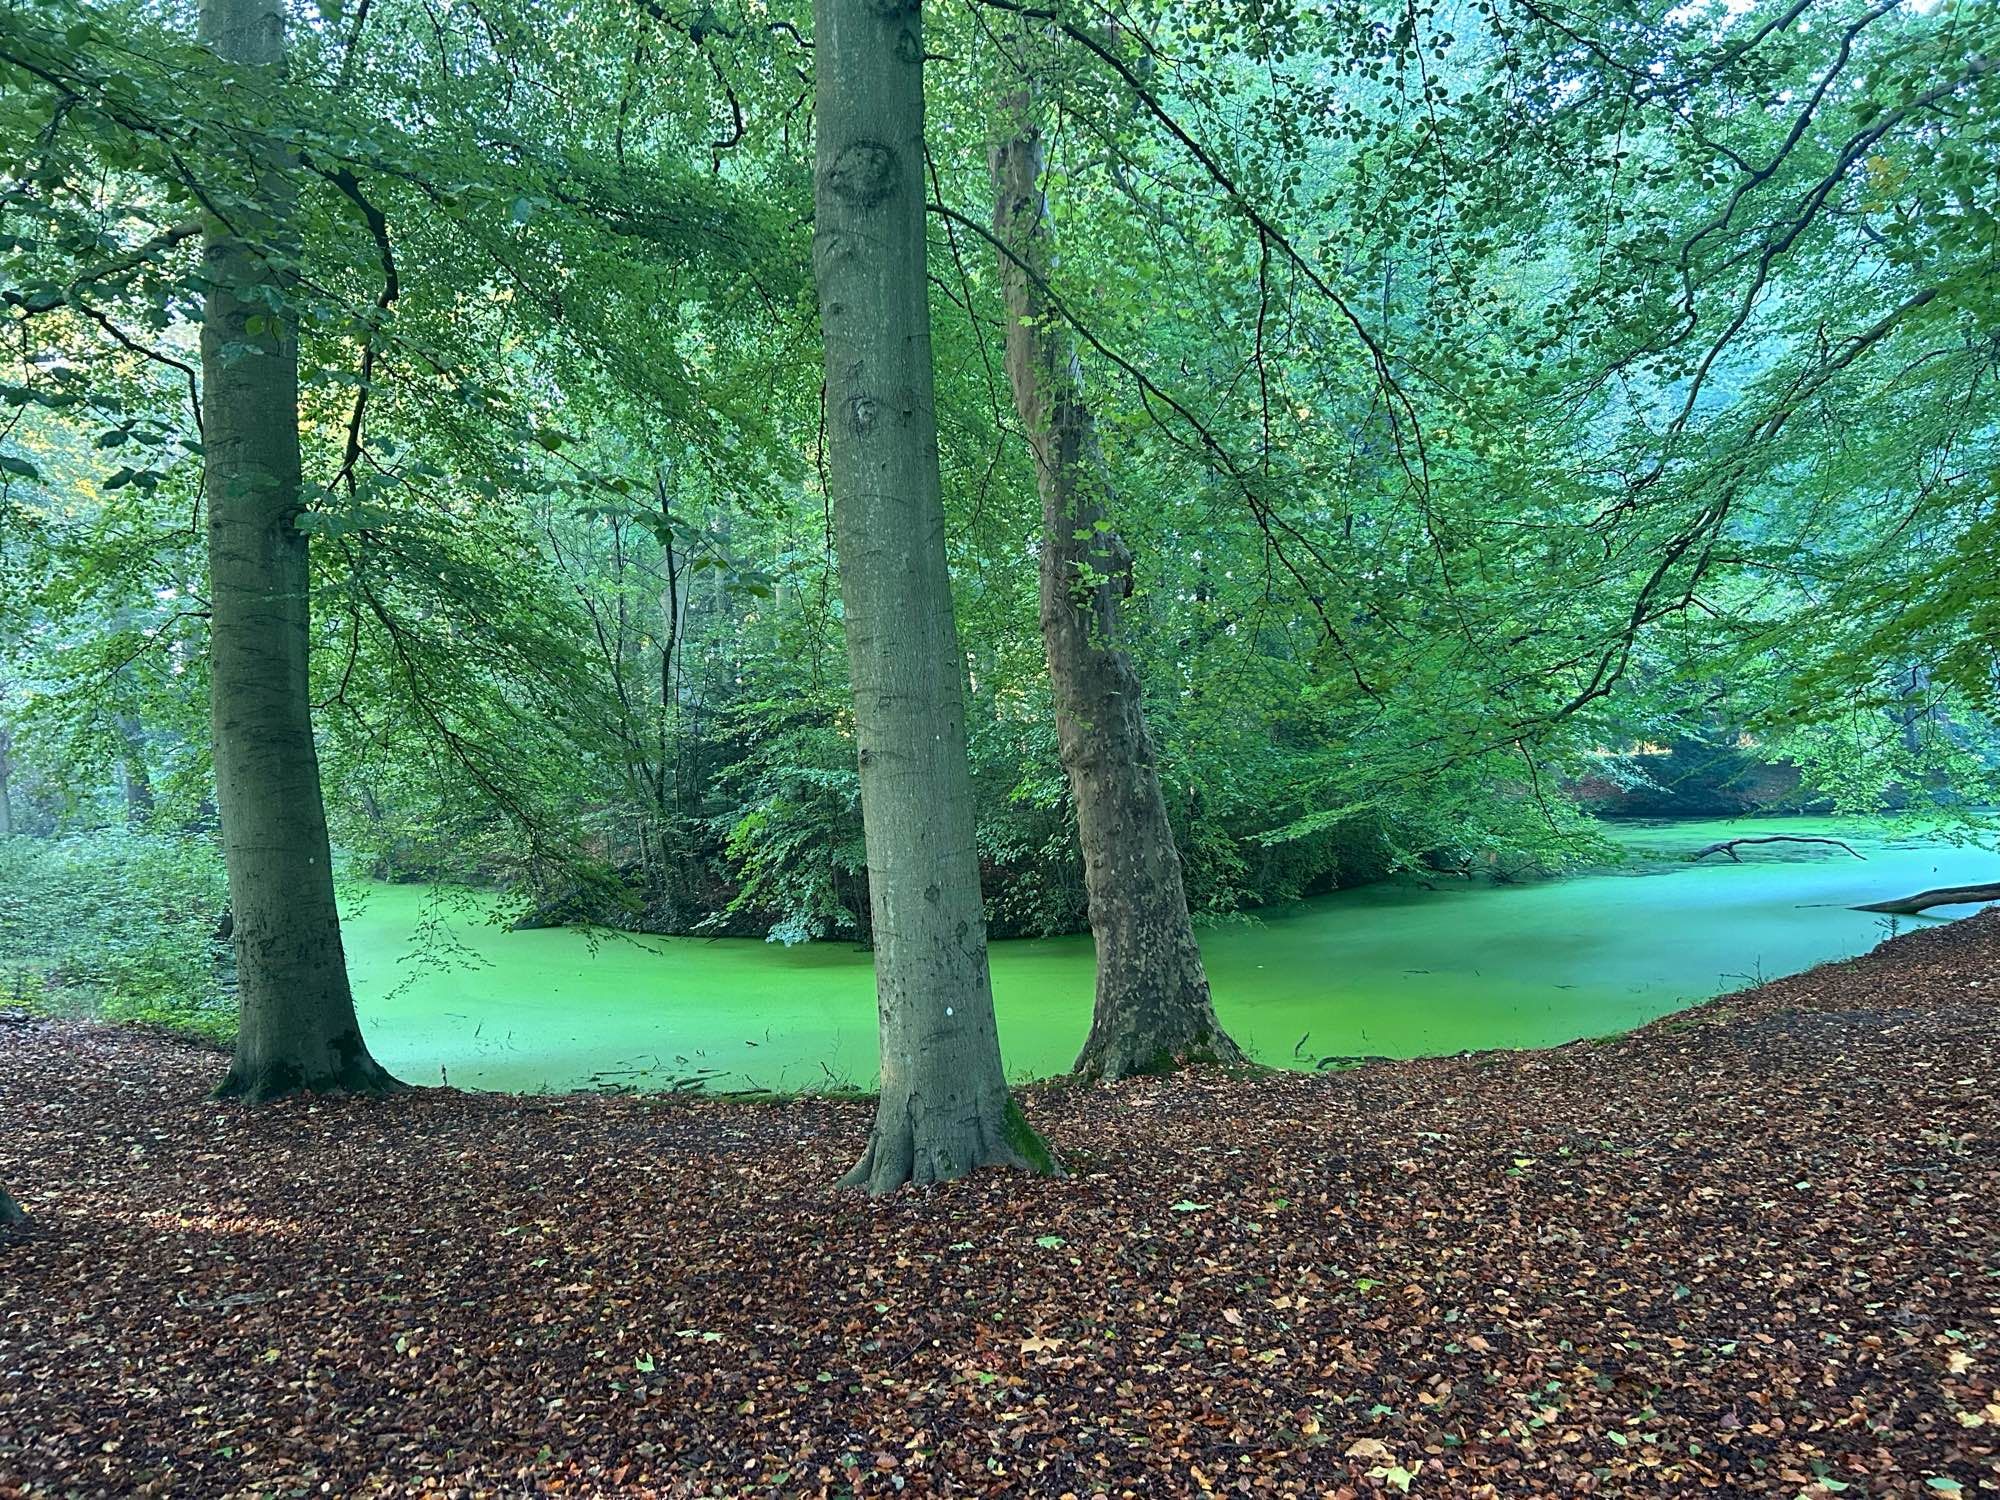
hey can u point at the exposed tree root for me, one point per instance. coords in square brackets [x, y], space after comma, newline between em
[912, 1144]
[337, 1070]
[1130, 1050]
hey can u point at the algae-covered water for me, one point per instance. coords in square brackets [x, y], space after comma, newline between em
[1393, 970]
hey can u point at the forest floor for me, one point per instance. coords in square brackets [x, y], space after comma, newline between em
[1748, 1250]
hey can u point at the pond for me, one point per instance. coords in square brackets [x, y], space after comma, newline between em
[1391, 970]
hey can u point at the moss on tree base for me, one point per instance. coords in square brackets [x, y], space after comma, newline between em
[1108, 1057]
[904, 1150]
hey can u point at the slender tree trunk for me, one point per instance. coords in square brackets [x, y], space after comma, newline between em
[944, 1108]
[1153, 1010]
[134, 780]
[6, 776]
[297, 1028]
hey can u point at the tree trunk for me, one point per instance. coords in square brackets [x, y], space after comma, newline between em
[944, 1108]
[1947, 895]
[6, 776]
[297, 1027]
[1153, 1010]
[134, 780]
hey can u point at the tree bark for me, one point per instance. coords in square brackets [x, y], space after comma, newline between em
[6, 778]
[1153, 1011]
[1945, 895]
[1729, 846]
[297, 1028]
[944, 1108]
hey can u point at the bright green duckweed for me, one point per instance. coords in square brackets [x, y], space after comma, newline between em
[1394, 970]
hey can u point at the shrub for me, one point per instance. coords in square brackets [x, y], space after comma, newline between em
[120, 926]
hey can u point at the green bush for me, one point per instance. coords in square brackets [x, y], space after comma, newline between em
[119, 926]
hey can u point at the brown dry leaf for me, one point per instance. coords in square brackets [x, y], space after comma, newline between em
[217, 1315]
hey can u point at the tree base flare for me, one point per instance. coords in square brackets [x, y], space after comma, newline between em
[259, 1082]
[911, 1145]
[1116, 1052]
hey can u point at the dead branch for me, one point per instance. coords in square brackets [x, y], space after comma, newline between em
[1729, 846]
[1944, 895]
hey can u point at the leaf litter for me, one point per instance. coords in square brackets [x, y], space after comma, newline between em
[1748, 1250]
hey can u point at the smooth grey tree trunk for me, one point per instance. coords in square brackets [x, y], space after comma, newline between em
[945, 1109]
[1152, 1011]
[297, 1029]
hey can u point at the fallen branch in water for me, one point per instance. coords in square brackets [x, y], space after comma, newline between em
[1728, 846]
[1944, 895]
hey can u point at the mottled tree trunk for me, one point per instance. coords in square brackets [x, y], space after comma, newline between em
[944, 1108]
[6, 777]
[1152, 1011]
[297, 1028]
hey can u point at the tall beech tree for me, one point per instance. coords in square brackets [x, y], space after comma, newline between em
[944, 1109]
[297, 1028]
[1153, 1009]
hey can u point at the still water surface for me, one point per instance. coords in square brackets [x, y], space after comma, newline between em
[1394, 970]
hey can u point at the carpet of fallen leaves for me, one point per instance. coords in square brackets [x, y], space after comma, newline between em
[1749, 1250]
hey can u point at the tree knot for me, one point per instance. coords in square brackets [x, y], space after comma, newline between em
[863, 173]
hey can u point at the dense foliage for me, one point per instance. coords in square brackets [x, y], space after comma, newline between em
[118, 925]
[1491, 393]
